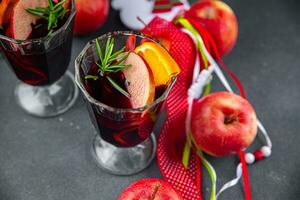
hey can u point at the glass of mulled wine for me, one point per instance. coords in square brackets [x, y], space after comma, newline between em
[40, 57]
[125, 143]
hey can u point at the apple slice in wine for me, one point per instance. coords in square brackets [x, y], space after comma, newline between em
[21, 20]
[139, 81]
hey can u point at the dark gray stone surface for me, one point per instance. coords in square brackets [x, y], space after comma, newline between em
[50, 159]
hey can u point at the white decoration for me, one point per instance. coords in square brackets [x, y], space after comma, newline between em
[233, 182]
[249, 157]
[266, 151]
[130, 10]
[197, 87]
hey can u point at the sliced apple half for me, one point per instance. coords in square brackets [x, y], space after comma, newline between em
[139, 81]
[21, 20]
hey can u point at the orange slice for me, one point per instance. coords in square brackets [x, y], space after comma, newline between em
[161, 63]
[3, 6]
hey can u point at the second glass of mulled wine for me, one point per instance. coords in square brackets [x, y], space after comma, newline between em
[125, 78]
[38, 47]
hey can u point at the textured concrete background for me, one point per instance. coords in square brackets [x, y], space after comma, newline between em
[50, 159]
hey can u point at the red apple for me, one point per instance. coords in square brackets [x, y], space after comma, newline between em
[150, 188]
[219, 19]
[223, 123]
[90, 15]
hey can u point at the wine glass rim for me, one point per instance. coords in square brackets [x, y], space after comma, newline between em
[94, 101]
[45, 38]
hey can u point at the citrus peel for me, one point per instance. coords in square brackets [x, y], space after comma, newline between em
[161, 63]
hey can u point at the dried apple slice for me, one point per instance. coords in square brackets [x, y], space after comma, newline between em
[21, 20]
[139, 81]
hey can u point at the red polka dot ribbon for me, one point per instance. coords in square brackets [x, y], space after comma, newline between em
[172, 136]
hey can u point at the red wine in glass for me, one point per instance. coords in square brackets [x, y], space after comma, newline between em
[40, 58]
[35, 63]
[125, 143]
[134, 128]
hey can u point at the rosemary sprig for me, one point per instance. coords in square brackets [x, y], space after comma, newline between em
[52, 14]
[115, 85]
[110, 63]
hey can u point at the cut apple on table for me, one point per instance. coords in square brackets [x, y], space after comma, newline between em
[21, 20]
[223, 123]
[161, 63]
[150, 189]
[139, 81]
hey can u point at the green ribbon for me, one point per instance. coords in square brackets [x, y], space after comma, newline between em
[186, 153]
[190, 140]
[200, 46]
[209, 168]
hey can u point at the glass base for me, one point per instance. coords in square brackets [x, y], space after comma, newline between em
[47, 101]
[124, 161]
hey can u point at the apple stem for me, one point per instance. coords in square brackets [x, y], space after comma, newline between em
[157, 186]
[142, 21]
[230, 119]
